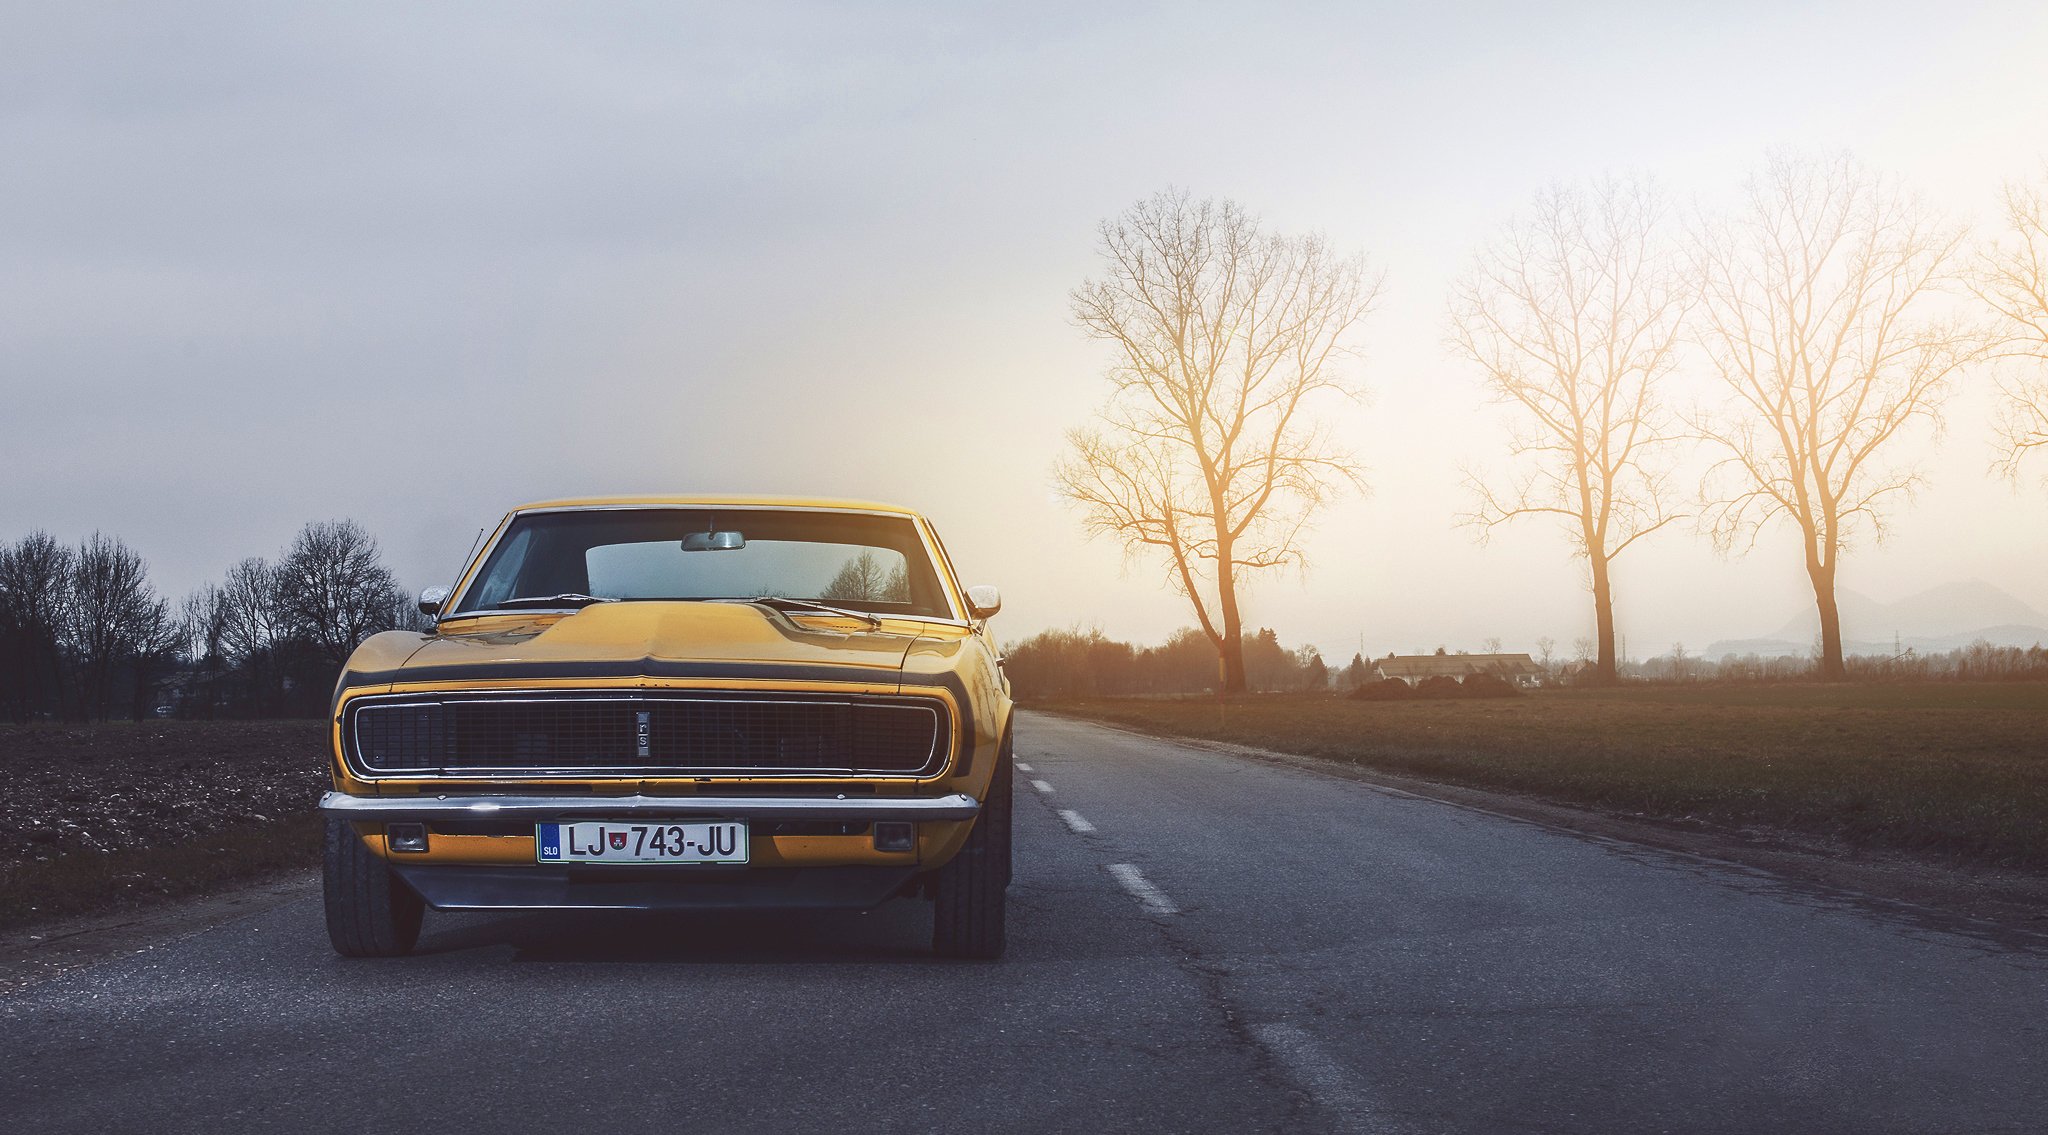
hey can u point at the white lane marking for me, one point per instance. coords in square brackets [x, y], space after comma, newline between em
[1042, 787]
[1074, 821]
[1150, 897]
[1022, 767]
[1337, 1090]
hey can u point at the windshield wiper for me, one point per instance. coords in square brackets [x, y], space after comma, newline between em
[574, 599]
[810, 605]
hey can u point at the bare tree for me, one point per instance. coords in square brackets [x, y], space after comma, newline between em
[115, 618]
[35, 602]
[1208, 452]
[863, 578]
[204, 619]
[1818, 315]
[1574, 314]
[253, 622]
[2012, 278]
[202, 622]
[333, 590]
[159, 638]
[253, 631]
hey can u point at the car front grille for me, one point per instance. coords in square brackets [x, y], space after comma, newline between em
[691, 735]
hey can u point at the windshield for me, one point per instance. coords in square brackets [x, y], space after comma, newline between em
[859, 562]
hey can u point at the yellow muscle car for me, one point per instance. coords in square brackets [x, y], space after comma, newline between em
[655, 704]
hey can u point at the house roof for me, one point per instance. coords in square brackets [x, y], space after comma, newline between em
[1456, 665]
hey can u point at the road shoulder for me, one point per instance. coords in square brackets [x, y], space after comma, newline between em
[37, 954]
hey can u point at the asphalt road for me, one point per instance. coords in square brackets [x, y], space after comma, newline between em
[1199, 942]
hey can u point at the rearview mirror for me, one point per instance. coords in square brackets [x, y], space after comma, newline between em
[984, 601]
[714, 542]
[431, 600]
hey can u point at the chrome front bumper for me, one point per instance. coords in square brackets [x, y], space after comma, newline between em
[384, 809]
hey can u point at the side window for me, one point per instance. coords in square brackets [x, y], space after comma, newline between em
[495, 581]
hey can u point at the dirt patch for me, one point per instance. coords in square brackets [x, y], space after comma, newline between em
[101, 817]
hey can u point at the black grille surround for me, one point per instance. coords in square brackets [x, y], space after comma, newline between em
[683, 733]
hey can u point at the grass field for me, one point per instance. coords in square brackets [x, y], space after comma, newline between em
[1958, 771]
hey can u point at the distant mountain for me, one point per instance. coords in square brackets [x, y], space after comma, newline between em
[2007, 635]
[1939, 619]
[1950, 609]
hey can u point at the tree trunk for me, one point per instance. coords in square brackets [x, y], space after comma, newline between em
[100, 683]
[1606, 669]
[59, 694]
[144, 706]
[1231, 649]
[1832, 668]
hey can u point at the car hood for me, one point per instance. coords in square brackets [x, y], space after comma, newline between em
[661, 639]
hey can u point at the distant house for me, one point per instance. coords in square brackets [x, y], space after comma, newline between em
[1413, 668]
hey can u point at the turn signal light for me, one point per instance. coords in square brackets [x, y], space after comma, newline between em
[895, 836]
[405, 837]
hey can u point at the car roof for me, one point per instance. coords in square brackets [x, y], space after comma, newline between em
[823, 503]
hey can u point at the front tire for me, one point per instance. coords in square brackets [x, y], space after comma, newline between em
[371, 913]
[969, 900]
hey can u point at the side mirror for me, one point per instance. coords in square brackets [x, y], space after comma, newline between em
[431, 600]
[984, 601]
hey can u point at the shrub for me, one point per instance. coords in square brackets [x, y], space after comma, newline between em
[1439, 686]
[1489, 686]
[1386, 689]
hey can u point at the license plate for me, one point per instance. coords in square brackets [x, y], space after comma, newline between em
[613, 841]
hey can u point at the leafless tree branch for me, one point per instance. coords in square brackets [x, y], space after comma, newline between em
[2011, 278]
[1820, 314]
[1208, 452]
[1574, 313]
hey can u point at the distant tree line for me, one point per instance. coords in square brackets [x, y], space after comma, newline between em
[85, 635]
[1057, 664]
[1977, 662]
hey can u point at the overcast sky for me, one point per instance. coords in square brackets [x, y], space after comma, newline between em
[413, 264]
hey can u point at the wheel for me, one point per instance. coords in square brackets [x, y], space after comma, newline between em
[968, 893]
[370, 912]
